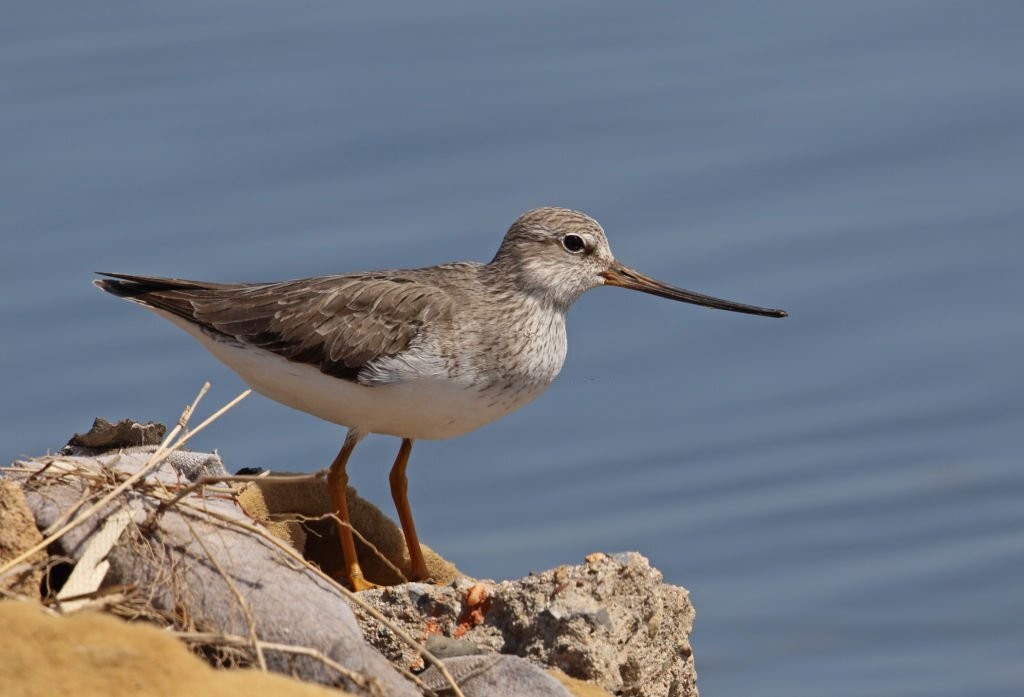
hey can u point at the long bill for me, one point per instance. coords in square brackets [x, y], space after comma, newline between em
[619, 275]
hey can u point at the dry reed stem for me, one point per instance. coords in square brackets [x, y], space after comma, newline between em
[217, 479]
[299, 518]
[89, 492]
[209, 638]
[154, 461]
[250, 621]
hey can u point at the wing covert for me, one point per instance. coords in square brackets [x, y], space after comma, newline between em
[338, 324]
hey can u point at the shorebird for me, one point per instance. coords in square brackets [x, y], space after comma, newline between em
[419, 354]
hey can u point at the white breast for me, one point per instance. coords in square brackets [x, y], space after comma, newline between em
[419, 401]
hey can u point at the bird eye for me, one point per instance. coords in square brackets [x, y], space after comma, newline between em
[573, 244]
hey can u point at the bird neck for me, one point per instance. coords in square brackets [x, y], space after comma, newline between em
[508, 276]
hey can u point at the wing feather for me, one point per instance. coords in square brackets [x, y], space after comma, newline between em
[338, 324]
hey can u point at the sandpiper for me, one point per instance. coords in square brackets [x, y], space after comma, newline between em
[421, 353]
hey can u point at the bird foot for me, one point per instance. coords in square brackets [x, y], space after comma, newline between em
[355, 582]
[358, 583]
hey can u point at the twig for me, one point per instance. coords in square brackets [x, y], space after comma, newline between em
[254, 638]
[217, 479]
[372, 547]
[89, 492]
[235, 640]
[154, 461]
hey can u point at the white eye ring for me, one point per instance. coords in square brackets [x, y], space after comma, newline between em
[574, 244]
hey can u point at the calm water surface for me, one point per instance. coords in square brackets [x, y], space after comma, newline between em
[841, 491]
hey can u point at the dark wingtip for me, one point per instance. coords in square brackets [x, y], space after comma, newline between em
[102, 283]
[118, 288]
[119, 284]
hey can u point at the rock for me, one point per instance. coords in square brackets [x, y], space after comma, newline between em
[610, 621]
[105, 436]
[494, 675]
[18, 534]
[447, 647]
[578, 688]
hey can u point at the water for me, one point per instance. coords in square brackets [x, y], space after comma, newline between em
[841, 491]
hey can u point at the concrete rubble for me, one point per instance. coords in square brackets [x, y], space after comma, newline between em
[610, 621]
[609, 625]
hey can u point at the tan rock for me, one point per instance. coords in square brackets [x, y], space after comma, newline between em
[92, 654]
[18, 533]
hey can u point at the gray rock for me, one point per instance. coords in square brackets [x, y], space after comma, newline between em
[445, 647]
[494, 675]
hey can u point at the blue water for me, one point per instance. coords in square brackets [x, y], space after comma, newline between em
[841, 491]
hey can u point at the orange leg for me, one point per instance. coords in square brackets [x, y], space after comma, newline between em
[337, 484]
[399, 492]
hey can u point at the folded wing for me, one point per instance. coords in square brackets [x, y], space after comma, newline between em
[337, 323]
